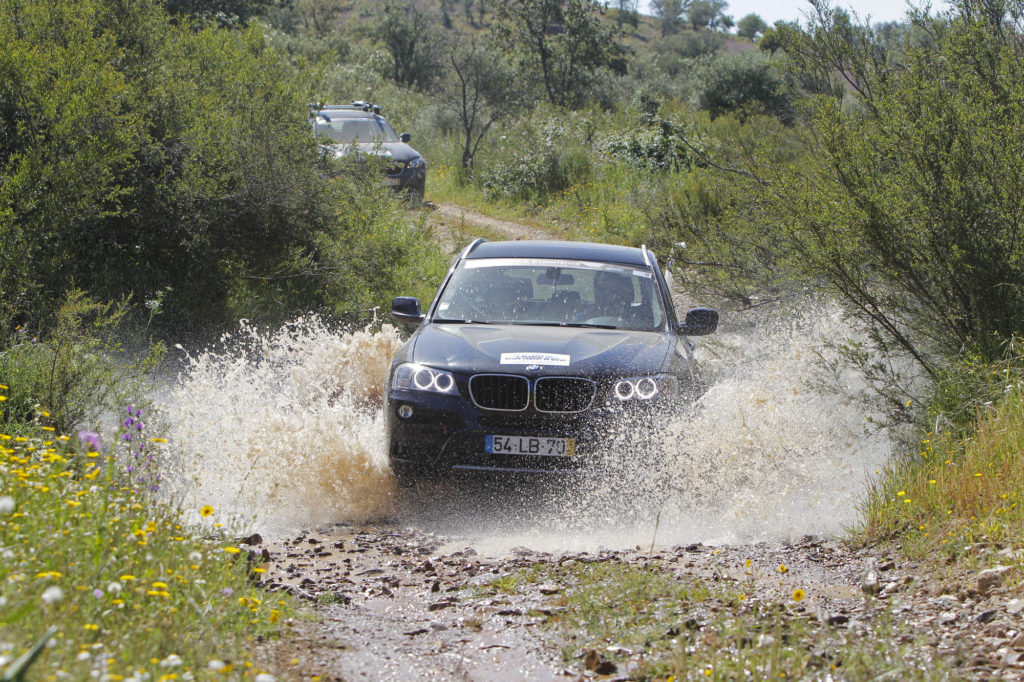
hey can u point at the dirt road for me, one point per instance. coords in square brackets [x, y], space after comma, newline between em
[389, 602]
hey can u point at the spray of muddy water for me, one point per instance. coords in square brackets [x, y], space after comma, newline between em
[286, 431]
[283, 430]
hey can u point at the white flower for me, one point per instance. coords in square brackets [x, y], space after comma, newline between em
[7, 554]
[6, 504]
[171, 661]
[114, 588]
[265, 677]
[5, 659]
[195, 557]
[214, 664]
[83, 656]
[52, 595]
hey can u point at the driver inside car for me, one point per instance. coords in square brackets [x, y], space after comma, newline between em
[613, 298]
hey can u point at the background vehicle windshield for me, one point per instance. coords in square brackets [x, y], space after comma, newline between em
[542, 291]
[349, 130]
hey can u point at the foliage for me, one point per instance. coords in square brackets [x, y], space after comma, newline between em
[751, 26]
[538, 163]
[141, 159]
[75, 371]
[564, 41]
[962, 486]
[656, 147]
[479, 91]
[407, 33]
[708, 14]
[912, 212]
[224, 13]
[670, 14]
[744, 82]
[134, 588]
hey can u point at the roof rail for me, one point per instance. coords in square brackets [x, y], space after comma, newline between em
[469, 249]
[647, 254]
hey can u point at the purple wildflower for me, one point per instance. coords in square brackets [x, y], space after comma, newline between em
[90, 438]
[98, 593]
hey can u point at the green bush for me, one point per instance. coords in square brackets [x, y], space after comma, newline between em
[740, 83]
[539, 163]
[654, 148]
[73, 373]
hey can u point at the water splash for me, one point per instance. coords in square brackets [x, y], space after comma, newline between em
[286, 430]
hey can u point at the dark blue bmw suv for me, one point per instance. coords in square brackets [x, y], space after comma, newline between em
[530, 352]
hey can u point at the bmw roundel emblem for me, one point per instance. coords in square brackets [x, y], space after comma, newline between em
[532, 368]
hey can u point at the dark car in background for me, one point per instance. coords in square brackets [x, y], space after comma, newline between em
[529, 352]
[359, 128]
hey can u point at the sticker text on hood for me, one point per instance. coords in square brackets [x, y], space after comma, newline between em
[535, 359]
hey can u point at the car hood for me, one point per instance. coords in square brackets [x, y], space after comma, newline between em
[398, 151]
[564, 351]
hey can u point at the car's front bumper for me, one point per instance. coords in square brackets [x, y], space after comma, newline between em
[409, 179]
[446, 435]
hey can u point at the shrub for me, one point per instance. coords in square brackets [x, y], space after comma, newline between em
[73, 373]
[654, 148]
[548, 164]
[740, 83]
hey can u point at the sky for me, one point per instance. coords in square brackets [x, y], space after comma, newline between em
[790, 10]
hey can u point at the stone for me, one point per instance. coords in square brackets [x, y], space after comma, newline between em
[869, 581]
[985, 616]
[550, 589]
[990, 579]
[1015, 606]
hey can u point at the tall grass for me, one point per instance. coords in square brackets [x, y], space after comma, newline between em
[134, 588]
[960, 488]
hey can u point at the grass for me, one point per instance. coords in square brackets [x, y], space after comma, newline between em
[956, 492]
[686, 628]
[132, 587]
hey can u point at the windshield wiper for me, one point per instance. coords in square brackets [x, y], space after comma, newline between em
[587, 324]
[545, 323]
[446, 320]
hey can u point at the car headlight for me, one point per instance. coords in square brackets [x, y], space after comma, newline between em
[642, 388]
[418, 162]
[412, 377]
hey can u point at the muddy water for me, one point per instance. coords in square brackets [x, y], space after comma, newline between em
[285, 431]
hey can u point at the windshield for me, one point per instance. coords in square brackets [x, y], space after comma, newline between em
[554, 292]
[349, 130]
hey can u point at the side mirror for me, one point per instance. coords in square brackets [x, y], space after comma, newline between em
[405, 137]
[699, 322]
[407, 309]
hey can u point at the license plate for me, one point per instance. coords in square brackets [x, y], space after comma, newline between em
[391, 181]
[529, 445]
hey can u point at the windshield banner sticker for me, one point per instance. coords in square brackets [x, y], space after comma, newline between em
[534, 359]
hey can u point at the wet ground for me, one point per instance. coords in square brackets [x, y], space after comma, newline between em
[388, 602]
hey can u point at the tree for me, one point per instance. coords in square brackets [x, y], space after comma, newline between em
[407, 33]
[743, 83]
[670, 14]
[913, 210]
[751, 26]
[564, 41]
[479, 89]
[706, 14]
[224, 13]
[626, 12]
